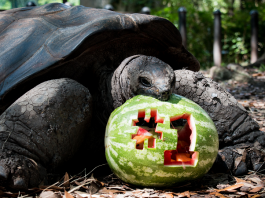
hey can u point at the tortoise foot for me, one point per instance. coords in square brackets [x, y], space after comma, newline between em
[20, 173]
[241, 158]
[37, 127]
[230, 161]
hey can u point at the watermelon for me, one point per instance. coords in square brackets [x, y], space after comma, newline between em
[153, 143]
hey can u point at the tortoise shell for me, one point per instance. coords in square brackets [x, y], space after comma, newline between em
[81, 43]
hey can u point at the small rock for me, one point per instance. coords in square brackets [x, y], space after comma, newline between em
[220, 73]
[235, 67]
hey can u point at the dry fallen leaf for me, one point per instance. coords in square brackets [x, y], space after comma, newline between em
[231, 191]
[237, 161]
[245, 189]
[233, 187]
[66, 182]
[218, 195]
[85, 195]
[185, 194]
[81, 185]
[257, 189]
[154, 196]
[109, 191]
[257, 74]
[67, 195]
[255, 179]
[241, 193]
[169, 195]
[238, 180]
[49, 194]
[94, 187]
[145, 195]
[251, 104]
[222, 186]
[78, 196]
[255, 196]
[57, 188]
[240, 151]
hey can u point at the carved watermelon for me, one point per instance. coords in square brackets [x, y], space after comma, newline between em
[160, 143]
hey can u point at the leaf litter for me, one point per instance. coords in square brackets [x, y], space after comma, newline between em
[211, 185]
[221, 185]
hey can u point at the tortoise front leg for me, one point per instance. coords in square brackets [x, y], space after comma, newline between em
[235, 127]
[42, 130]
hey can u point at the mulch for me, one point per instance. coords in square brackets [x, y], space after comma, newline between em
[211, 185]
[251, 96]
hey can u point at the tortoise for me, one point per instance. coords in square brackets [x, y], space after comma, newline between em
[63, 70]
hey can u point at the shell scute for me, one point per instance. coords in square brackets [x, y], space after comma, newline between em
[78, 43]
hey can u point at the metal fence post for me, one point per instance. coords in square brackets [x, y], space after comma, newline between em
[14, 3]
[254, 35]
[217, 49]
[182, 25]
[145, 10]
[109, 7]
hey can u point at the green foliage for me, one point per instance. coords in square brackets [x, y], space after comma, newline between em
[235, 27]
[5, 4]
[237, 32]
[199, 26]
[9, 4]
[43, 2]
[262, 68]
[73, 2]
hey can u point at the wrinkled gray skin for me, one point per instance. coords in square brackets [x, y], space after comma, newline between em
[45, 127]
[136, 75]
[58, 113]
[142, 75]
[240, 140]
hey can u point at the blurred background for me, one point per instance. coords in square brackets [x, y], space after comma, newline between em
[235, 18]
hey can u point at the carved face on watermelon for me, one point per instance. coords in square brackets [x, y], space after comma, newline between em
[160, 143]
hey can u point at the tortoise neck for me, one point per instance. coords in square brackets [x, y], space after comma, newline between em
[120, 83]
[113, 90]
[119, 87]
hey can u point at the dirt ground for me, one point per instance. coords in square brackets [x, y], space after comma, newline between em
[251, 96]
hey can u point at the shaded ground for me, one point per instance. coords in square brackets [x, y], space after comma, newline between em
[252, 97]
[211, 185]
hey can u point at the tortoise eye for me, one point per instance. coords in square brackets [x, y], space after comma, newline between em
[145, 82]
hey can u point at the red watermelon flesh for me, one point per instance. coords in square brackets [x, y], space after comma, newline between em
[180, 156]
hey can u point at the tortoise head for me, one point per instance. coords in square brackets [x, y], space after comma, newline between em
[142, 75]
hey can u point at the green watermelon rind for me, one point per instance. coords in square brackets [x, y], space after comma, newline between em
[146, 167]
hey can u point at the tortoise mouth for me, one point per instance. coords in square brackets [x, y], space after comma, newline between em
[164, 96]
[159, 97]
